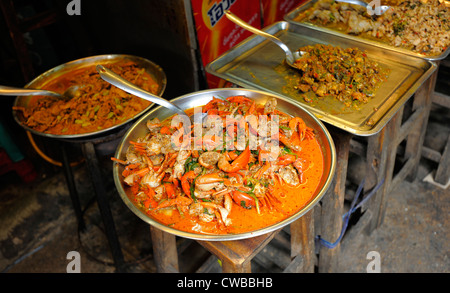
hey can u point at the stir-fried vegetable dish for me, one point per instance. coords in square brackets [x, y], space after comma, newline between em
[422, 26]
[96, 104]
[346, 74]
[212, 182]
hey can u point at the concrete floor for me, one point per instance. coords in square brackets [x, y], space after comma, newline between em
[413, 238]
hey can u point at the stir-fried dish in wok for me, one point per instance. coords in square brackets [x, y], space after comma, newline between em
[345, 74]
[215, 182]
[96, 104]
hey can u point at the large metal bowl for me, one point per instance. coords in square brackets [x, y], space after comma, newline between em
[188, 101]
[45, 78]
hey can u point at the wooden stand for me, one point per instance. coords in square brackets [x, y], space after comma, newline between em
[442, 174]
[382, 152]
[236, 255]
[332, 207]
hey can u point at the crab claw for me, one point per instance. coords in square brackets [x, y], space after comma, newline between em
[209, 178]
[185, 185]
[243, 199]
[239, 163]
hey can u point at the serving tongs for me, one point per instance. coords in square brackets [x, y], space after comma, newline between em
[290, 56]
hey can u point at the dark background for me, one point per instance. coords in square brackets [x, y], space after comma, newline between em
[153, 29]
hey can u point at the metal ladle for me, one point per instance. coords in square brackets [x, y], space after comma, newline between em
[13, 91]
[290, 56]
[123, 84]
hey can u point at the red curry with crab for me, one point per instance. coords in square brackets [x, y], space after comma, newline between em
[198, 185]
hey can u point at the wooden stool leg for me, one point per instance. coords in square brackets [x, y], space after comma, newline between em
[442, 175]
[333, 203]
[381, 152]
[302, 243]
[414, 143]
[236, 255]
[164, 251]
[443, 171]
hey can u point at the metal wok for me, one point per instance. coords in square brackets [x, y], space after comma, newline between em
[188, 101]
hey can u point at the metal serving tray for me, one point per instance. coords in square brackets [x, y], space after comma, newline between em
[292, 15]
[259, 64]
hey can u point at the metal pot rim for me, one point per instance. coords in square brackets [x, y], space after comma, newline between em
[89, 61]
[226, 237]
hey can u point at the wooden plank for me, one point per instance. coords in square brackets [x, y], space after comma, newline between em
[443, 171]
[333, 203]
[283, 238]
[236, 255]
[317, 214]
[380, 157]
[276, 255]
[383, 153]
[430, 154]
[357, 229]
[403, 173]
[296, 263]
[358, 148]
[230, 267]
[414, 130]
[441, 99]
[302, 242]
[211, 265]
[410, 124]
[414, 143]
[263, 260]
[164, 251]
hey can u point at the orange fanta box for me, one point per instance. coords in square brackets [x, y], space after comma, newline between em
[216, 33]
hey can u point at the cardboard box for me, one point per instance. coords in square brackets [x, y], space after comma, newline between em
[216, 34]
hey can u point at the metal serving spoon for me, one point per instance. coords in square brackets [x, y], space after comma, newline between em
[290, 56]
[13, 91]
[378, 10]
[129, 87]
